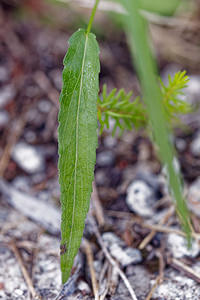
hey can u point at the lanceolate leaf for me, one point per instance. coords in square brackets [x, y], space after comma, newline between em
[77, 140]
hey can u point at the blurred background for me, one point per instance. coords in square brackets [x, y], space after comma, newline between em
[33, 41]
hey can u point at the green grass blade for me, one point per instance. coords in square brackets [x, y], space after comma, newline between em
[159, 6]
[136, 29]
[77, 140]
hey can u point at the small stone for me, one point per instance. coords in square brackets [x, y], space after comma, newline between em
[43, 213]
[140, 198]
[194, 197]
[4, 74]
[110, 238]
[44, 106]
[35, 117]
[177, 245]
[176, 287]
[181, 144]
[30, 136]
[4, 118]
[195, 145]
[192, 90]
[110, 141]
[100, 177]
[56, 77]
[18, 292]
[28, 158]
[139, 279]
[22, 183]
[125, 255]
[105, 159]
[6, 95]
[84, 287]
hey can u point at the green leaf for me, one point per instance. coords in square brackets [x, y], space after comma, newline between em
[77, 140]
[159, 6]
[137, 32]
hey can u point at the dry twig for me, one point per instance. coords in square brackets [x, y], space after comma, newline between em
[165, 229]
[13, 137]
[24, 272]
[90, 259]
[97, 206]
[180, 266]
[150, 236]
[103, 295]
[111, 260]
[159, 278]
[44, 83]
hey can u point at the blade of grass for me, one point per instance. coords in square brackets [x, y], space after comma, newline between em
[137, 32]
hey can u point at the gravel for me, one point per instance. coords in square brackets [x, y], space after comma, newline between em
[28, 158]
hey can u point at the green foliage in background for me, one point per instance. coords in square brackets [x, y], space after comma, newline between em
[173, 94]
[137, 33]
[159, 6]
[129, 113]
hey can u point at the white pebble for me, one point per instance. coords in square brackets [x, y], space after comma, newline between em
[4, 118]
[195, 145]
[178, 246]
[28, 158]
[6, 95]
[140, 197]
[118, 250]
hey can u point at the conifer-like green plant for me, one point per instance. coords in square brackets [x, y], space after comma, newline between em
[80, 107]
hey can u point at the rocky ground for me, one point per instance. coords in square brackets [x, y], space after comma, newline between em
[132, 239]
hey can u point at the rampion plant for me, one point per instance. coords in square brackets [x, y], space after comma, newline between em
[81, 108]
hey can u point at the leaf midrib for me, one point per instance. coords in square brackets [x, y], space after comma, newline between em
[77, 142]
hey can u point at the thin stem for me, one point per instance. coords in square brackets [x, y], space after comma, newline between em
[92, 17]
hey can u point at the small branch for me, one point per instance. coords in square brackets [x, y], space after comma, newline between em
[150, 236]
[150, 294]
[165, 229]
[24, 271]
[113, 281]
[90, 259]
[13, 137]
[97, 206]
[103, 295]
[44, 83]
[111, 260]
[180, 266]
[159, 278]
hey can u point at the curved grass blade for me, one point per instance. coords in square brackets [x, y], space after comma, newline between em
[137, 32]
[77, 139]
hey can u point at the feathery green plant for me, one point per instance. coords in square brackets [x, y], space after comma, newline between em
[119, 107]
[173, 95]
[131, 113]
[77, 132]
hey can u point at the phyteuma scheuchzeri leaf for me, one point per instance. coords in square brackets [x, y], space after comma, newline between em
[77, 139]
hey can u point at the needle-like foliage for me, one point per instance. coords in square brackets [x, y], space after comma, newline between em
[129, 113]
[173, 96]
[117, 105]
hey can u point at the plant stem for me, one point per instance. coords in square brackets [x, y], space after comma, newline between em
[92, 16]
